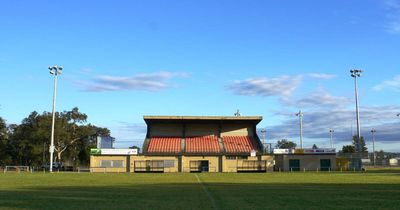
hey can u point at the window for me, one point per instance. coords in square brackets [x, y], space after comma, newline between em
[294, 165]
[231, 157]
[112, 163]
[242, 157]
[169, 163]
[117, 164]
[325, 164]
[106, 164]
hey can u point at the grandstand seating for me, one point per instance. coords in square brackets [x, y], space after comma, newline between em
[239, 144]
[202, 144]
[164, 145]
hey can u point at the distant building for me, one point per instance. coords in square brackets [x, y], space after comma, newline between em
[105, 142]
[308, 159]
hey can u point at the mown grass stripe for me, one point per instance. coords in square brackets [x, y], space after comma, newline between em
[210, 197]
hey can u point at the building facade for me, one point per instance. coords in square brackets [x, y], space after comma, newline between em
[193, 144]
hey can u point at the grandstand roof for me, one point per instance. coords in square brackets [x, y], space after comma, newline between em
[256, 119]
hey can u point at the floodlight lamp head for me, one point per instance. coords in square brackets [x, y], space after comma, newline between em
[356, 72]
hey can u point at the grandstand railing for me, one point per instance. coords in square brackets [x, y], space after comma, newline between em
[149, 166]
[252, 166]
[149, 169]
[199, 169]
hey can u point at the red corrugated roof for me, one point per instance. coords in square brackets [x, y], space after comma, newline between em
[239, 144]
[164, 145]
[202, 144]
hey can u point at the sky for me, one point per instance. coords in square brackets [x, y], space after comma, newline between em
[126, 59]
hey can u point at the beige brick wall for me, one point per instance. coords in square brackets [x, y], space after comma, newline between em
[308, 162]
[201, 129]
[144, 158]
[236, 130]
[160, 129]
[213, 164]
[95, 163]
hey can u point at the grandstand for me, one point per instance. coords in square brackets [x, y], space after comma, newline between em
[195, 144]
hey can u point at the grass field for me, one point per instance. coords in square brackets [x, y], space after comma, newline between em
[200, 191]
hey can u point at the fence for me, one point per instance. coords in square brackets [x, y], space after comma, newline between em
[17, 169]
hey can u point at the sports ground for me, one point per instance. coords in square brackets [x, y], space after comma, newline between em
[357, 190]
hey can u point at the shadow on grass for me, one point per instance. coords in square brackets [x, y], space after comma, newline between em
[192, 196]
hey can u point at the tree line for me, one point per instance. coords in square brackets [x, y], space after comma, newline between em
[28, 143]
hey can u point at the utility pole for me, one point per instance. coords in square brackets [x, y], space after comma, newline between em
[355, 73]
[373, 131]
[300, 115]
[54, 70]
[331, 135]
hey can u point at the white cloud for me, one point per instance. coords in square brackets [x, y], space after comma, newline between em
[316, 124]
[282, 86]
[322, 111]
[322, 76]
[392, 84]
[393, 15]
[321, 99]
[147, 82]
[128, 134]
[392, 4]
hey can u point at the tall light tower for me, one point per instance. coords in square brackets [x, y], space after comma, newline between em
[263, 131]
[54, 70]
[355, 73]
[300, 115]
[373, 131]
[331, 135]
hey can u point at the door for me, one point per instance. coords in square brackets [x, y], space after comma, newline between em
[204, 166]
[294, 165]
[128, 163]
[325, 164]
[180, 164]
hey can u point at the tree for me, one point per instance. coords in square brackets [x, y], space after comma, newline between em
[29, 141]
[348, 149]
[3, 140]
[70, 131]
[364, 149]
[285, 144]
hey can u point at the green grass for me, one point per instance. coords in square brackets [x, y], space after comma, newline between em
[183, 191]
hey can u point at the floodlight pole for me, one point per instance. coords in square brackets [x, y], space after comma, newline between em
[263, 131]
[55, 70]
[331, 135]
[300, 114]
[357, 73]
[373, 131]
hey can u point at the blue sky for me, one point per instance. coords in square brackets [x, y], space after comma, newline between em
[126, 59]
